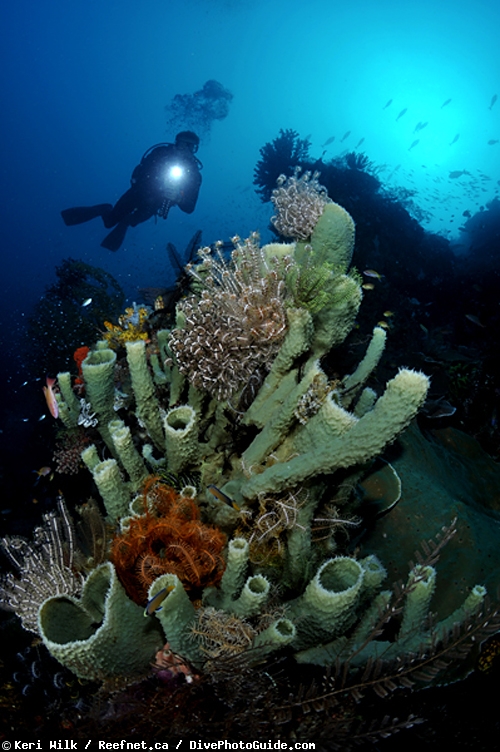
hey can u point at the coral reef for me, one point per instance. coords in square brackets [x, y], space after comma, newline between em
[248, 567]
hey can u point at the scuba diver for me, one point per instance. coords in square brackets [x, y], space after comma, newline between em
[168, 175]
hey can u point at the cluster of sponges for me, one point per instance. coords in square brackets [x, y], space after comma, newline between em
[274, 310]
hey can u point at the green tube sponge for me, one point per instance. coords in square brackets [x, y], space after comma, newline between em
[278, 422]
[335, 321]
[181, 437]
[352, 383]
[162, 337]
[159, 376]
[104, 634]
[115, 494]
[253, 596]
[375, 574]
[147, 407]
[420, 589]
[334, 438]
[328, 605]
[333, 236]
[296, 342]
[281, 633]
[127, 453]
[366, 401]
[236, 567]
[98, 371]
[176, 615]
[233, 578]
[469, 607]
[69, 405]
[90, 457]
[154, 463]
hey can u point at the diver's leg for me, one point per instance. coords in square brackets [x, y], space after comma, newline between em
[115, 238]
[79, 214]
[122, 209]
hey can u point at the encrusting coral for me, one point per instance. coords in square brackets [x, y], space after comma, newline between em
[247, 560]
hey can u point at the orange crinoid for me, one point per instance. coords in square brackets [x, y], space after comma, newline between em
[168, 537]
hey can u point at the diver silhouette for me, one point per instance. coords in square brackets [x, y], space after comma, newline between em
[168, 175]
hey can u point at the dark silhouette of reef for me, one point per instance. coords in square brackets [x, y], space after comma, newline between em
[60, 322]
[279, 157]
[441, 305]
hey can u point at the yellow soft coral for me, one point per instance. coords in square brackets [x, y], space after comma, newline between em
[130, 328]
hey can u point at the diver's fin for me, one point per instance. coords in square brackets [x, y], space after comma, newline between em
[79, 214]
[115, 238]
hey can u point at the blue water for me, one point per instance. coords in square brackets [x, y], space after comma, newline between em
[85, 85]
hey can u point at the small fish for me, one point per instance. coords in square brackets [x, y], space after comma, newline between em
[50, 397]
[458, 174]
[387, 104]
[420, 126]
[493, 100]
[372, 273]
[346, 135]
[438, 408]
[388, 314]
[475, 320]
[383, 324]
[368, 286]
[155, 604]
[466, 213]
[44, 472]
[403, 112]
[328, 141]
[492, 141]
[222, 496]
[454, 140]
[424, 329]
[86, 302]
[359, 143]
[445, 103]
[417, 141]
